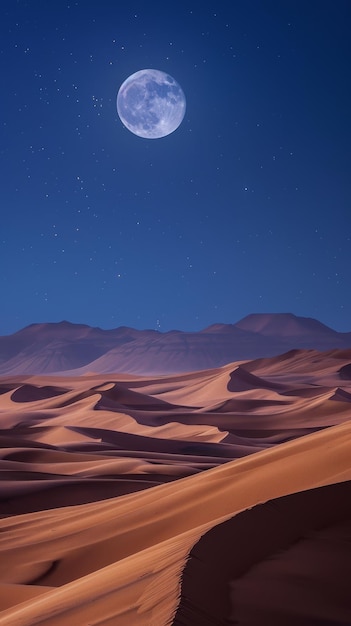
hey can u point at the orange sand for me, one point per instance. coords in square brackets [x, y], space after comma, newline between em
[139, 501]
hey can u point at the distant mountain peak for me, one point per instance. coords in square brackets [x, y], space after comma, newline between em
[282, 324]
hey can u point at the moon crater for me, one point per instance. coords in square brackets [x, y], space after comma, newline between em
[151, 104]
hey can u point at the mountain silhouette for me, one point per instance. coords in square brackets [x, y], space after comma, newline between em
[78, 348]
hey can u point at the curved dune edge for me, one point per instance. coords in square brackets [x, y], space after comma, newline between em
[120, 561]
[283, 562]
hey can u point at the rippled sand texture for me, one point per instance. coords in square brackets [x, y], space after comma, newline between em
[214, 497]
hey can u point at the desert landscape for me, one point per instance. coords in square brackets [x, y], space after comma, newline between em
[217, 496]
[175, 335]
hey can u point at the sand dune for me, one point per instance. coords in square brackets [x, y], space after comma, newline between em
[210, 497]
[291, 555]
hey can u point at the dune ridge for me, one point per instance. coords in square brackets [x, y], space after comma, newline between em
[119, 495]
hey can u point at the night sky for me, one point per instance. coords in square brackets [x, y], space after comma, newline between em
[245, 208]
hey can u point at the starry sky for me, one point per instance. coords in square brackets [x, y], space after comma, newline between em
[245, 208]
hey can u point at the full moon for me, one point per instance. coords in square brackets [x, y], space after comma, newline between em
[151, 104]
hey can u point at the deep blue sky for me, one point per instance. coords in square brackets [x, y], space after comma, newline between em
[245, 208]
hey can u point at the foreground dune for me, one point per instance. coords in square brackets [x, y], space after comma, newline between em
[108, 517]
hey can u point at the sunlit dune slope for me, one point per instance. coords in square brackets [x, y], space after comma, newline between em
[108, 484]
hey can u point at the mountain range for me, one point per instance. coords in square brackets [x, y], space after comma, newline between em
[80, 349]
